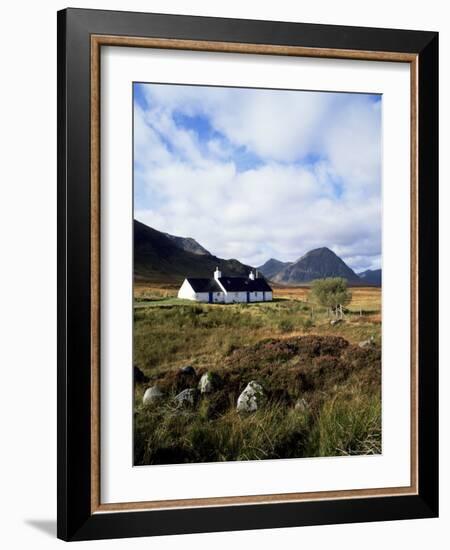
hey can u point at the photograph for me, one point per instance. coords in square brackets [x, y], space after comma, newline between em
[257, 273]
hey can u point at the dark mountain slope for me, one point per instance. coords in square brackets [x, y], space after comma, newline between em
[371, 277]
[316, 264]
[189, 244]
[158, 259]
[272, 267]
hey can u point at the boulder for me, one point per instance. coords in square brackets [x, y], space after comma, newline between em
[151, 395]
[186, 398]
[301, 405]
[334, 322]
[252, 398]
[188, 370]
[367, 343]
[208, 382]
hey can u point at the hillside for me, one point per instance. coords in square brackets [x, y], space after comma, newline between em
[316, 264]
[189, 244]
[159, 258]
[272, 267]
[371, 277]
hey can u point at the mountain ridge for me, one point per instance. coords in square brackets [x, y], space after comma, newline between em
[371, 276]
[318, 263]
[272, 267]
[189, 244]
[168, 259]
[159, 259]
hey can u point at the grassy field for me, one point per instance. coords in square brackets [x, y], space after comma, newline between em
[323, 395]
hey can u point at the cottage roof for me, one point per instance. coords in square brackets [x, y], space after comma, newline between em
[204, 285]
[243, 284]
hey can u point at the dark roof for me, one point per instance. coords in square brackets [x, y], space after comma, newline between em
[204, 285]
[244, 284]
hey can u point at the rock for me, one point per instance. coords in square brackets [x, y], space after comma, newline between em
[251, 398]
[367, 343]
[334, 322]
[301, 405]
[188, 369]
[186, 398]
[151, 395]
[208, 382]
[139, 376]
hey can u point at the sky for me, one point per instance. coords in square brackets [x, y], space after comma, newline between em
[255, 174]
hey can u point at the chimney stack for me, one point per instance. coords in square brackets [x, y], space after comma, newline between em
[217, 273]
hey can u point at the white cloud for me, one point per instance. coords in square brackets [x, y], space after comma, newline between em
[316, 183]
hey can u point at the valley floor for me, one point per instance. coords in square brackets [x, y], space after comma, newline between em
[322, 390]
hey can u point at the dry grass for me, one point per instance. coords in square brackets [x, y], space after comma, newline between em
[365, 298]
[339, 384]
[342, 388]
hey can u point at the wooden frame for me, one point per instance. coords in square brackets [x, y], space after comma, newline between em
[81, 34]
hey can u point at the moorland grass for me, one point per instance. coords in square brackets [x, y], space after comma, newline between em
[286, 346]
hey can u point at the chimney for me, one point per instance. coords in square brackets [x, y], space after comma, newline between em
[251, 276]
[217, 273]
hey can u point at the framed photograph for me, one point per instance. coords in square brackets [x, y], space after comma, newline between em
[247, 251]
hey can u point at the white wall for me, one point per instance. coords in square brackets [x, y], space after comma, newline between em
[28, 284]
[186, 291]
[232, 297]
[218, 297]
[256, 297]
[202, 296]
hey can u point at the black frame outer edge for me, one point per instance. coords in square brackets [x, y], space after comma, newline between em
[75, 521]
[61, 280]
[428, 122]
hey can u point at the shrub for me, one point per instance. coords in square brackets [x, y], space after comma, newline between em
[331, 292]
[286, 326]
[307, 323]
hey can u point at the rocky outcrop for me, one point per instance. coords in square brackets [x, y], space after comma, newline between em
[251, 399]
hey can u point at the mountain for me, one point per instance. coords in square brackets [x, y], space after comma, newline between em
[316, 264]
[189, 244]
[159, 259]
[272, 267]
[371, 277]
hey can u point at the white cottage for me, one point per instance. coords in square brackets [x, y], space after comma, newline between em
[226, 290]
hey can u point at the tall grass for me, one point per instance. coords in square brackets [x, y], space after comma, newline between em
[341, 427]
[347, 427]
[168, 435]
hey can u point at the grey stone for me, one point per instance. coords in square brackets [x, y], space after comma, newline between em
[301, 405]
[208, 382]
[367, 343]
[186, 398]
[151, 395]
[334, 322]
[252, 398]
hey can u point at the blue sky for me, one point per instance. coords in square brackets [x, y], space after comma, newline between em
[253, 174]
